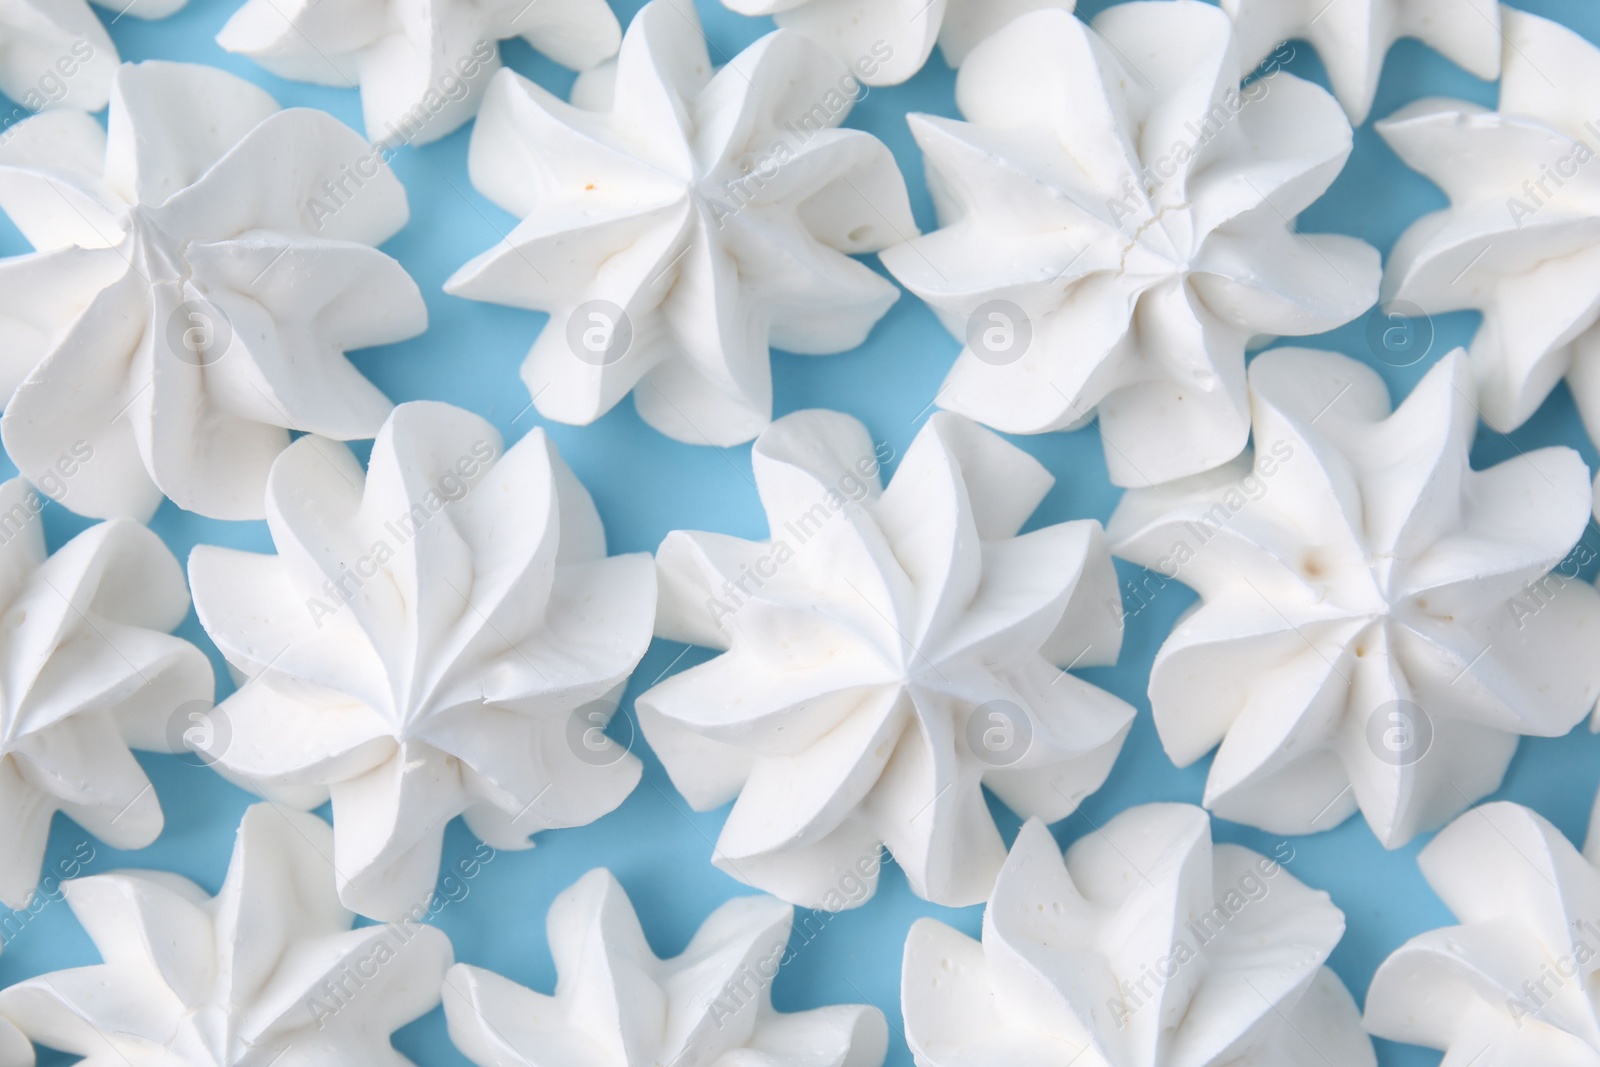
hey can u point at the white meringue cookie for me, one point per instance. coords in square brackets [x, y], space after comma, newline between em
[1378, 622]
[1513, 982]
[890, 652]
[616, 1003]
[680, 222]
[1518, 242]
[439, 635]
[266, 972]
[885, 42]
[195, 287]
[1148, 947]
[422, 67]
[1352, 37]
[88, 669]
[1114, 241]
[56, 54]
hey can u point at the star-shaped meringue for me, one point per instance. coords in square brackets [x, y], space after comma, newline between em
[1116, 227]
[422, 67]
[1513, 983]
[681, 221]
[439, 635]
[267, 972]
[889, 653]
[616, 1004]
[885, 42]
[194, 289]
[1379, 622]
[1518, 241]
[87, 668]
[1148, 946]
[1352, 37]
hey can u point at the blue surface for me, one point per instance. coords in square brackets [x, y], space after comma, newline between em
[646, 485]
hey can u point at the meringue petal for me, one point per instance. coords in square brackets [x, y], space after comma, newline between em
[171, 122]
[857, 29]
[39, 34]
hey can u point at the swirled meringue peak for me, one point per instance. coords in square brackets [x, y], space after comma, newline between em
[194, 289]
[422, 68]
[680, 221]
[616, 1003]
[1520, 241]
[1147, 947]
[1513, 983]
[87, 668]
[888, 653]
[885, 42]
[1379, 623]
[1112, 242]
[266, 972]
[1352, 37]
[442, 634]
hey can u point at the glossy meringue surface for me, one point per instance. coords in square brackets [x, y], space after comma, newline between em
[646, 486]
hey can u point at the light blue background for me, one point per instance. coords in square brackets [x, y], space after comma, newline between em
[646, 485]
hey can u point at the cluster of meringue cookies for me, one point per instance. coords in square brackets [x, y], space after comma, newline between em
[441, 631]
